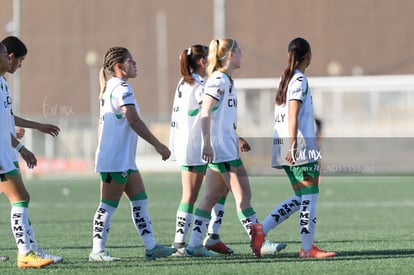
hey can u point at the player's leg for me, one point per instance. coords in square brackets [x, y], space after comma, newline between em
[191, 180]
[135, 191]
[112, 187]
[308, 176]
[286, 208]
[13, 187]
[212, 240]
[213, 191]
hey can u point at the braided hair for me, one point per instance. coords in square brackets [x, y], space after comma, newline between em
[112, 57]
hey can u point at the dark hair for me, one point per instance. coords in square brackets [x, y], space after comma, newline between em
[112, 57]
[219, 49]
[298, 49]
[189, 61]
[15, 45]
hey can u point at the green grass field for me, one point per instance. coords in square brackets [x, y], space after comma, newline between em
[368, 221]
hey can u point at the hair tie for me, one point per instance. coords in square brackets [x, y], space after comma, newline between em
[189, 51]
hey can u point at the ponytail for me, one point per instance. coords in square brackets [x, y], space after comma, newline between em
[189, 61]
[102, 82]
[297, 51]
[219, 50]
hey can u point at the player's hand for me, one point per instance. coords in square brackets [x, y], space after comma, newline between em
[49, 129]
[28, 157]
[291, 155]
[208, 153]
[20, 132]
[163, 151]
[243, 145]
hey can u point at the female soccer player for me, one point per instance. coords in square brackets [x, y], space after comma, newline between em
[120, 125]
[185, 146]
[11, 181]
[17, 52]
[295, 148]
[221, 147]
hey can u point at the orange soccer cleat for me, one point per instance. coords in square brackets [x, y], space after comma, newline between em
[315, 252]
[257, 239]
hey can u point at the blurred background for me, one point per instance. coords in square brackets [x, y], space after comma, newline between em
[361, 74]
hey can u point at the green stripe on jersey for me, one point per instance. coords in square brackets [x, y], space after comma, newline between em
[193, 112]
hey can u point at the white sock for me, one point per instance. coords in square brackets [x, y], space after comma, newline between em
[101, 226]
[307, 220]
[247, 217]
[217, 214]
[200, 225]
[183, 223]
[33, 242]
[20, 225]
[281, 213]
[142, 222]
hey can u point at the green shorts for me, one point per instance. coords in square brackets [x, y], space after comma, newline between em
[224, 167]
[302, 172]
[118, 177]
[11, 173]
[194, 168]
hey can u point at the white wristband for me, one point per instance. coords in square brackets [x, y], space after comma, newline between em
[19, 147]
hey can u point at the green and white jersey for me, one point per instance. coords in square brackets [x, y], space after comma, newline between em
[12, 151]
[6, 160]
[224, 137]
[185, 128]
[117, 141]
[307, 149]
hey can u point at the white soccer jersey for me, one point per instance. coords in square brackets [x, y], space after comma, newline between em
[223, 134]
[185, 128]
[307, 149]
[6, 162]
[117, 141]
[12, 127]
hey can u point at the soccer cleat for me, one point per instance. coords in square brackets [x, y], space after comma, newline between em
[41, 253]
[257, 239]
[216, 245]
[315, 252]
[159, 251]
[180, 250]
[32, 260]
[269, 248]
[4, 258]
[103, 256]
[199, 251]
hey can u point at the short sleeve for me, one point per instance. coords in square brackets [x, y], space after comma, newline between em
[123, 95]
[298, 89]
[215, 87]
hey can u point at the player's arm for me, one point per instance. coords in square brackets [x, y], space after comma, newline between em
[205, 117]
[27, 155]
[294, 107]
[138, 125]
[44, 128]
